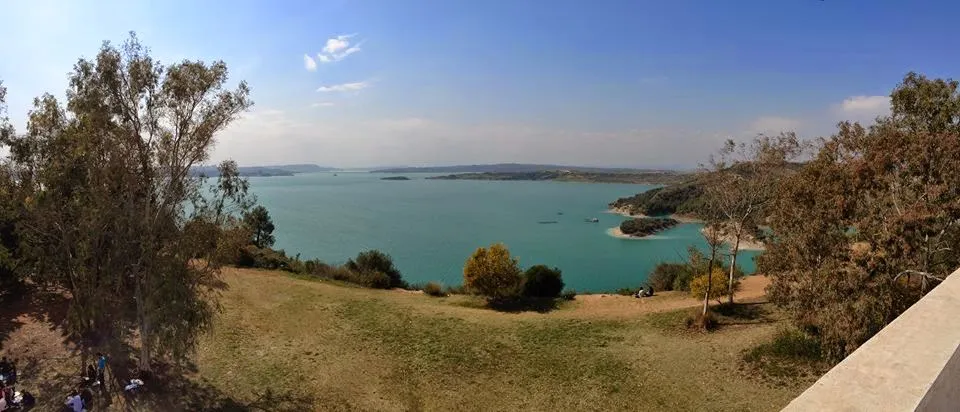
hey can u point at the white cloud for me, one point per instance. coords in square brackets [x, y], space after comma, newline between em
[322, 104]
[309, 63]
[863, 109]
[337, 43]
[868, 104]
[773, 124]
[338, 48]
[345, 87]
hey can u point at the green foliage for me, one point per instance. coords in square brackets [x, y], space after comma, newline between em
[646, 226]
[696, 265]
[718, 285]
[258, 221]
[682, 198]
[458, 290]
[263, 258]
[493, 273]
[626, 291]
[377, 261]
[542, 281]
[868, 225]
[665, 275]
[103, 181]
[568, 294]
[434, 289]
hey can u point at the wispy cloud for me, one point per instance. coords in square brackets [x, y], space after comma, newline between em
[773, 124]
[345, 87]
[322, 104]
[309, 63]
[338, 48]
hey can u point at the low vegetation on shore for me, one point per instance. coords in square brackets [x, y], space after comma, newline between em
[647, 226]
[645, 177]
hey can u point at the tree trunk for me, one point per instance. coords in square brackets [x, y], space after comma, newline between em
[706, 295]
[733, 262]
[144, 363]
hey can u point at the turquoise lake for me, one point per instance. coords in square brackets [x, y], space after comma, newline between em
[430, 227]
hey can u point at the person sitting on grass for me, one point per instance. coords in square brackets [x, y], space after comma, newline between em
[74, 402]
[639, 293]
[649, 290]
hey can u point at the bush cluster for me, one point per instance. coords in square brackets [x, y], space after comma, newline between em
[492, 272]
[371, 269]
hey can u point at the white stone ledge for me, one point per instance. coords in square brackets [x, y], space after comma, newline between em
[913, 364]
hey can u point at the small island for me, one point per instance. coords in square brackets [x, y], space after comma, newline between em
[395, 178]
[647, 226]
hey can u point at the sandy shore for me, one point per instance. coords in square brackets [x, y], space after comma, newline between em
[680, 218]
[617, 233]
[747, 242]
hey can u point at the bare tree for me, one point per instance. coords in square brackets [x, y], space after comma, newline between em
[712, 234]
[742, 183]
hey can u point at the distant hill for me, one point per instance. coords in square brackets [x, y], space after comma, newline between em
[505, 168]
[566, 175]
[281, 170]
[684, 198]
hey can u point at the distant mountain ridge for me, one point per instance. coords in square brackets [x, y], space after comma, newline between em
[507, 168]
[280, 170]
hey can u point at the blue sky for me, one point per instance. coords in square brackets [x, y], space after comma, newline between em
[356, 83]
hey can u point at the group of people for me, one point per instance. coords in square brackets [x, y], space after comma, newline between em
[80, 398]
[644, 292]
[9, 396]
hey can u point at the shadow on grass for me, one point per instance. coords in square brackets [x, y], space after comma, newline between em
[743, 313]
[170, 389]
[539, 305]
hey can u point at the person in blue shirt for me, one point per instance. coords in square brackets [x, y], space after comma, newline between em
[101, 366]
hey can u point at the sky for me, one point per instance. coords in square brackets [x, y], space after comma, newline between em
[632, 83]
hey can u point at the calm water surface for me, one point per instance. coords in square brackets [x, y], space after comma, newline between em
[431, 226]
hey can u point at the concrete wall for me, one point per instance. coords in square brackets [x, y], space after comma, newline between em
[913, 364]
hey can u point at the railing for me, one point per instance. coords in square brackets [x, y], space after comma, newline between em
[913, 364]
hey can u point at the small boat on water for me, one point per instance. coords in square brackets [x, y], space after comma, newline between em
[591, 220]
[545, 222]
[559, 213]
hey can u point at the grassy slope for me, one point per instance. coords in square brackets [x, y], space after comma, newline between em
[351, 348]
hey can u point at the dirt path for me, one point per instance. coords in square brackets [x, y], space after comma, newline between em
[618, 306]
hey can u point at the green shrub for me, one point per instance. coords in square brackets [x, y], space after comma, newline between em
[375, 260]
[371, 279]
[718, 285]
[493, 273]
[264, 258]
[665, 275]
[626, 291]
[458, 290]
[541, 281]
[568, 294]
[434, 289]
